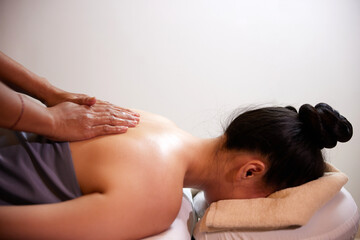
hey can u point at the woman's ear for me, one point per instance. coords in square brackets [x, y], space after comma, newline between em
[251, 169]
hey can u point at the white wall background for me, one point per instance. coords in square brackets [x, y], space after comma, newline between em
[194, 61]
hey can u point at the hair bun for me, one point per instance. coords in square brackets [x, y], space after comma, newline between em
[325, 125]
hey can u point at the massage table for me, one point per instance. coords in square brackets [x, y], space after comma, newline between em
[338, 219]
[321, 209]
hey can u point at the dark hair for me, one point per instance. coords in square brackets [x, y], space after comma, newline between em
[290, 141]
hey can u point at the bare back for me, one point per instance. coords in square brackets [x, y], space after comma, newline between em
[132, 185]
[141, 170]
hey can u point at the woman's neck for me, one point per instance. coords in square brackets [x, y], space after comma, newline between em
[201, 162]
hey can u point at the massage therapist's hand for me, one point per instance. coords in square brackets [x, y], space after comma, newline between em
[88, 117]
[73, 122]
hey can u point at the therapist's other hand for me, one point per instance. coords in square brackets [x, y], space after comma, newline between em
[73, 122]
[56, 96]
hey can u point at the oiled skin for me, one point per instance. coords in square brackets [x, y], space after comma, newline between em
[132, 185]
[143, 168]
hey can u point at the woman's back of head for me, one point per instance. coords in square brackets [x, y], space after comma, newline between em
[290, 141]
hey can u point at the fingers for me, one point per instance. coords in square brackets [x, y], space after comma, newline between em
[75, 122]
[104, 104]
[130, 112]
[108, 114]
[110, 111]
[127, 116]
[114, 121]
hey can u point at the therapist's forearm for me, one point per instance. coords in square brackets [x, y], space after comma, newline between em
[22, 113]
[21, 79]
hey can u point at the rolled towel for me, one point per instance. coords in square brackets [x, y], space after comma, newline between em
[287, 208]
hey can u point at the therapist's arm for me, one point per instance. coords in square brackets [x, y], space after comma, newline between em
[64, 122]
[19, 78]
[22, 80]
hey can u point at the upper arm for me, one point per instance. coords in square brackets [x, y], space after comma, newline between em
[94, 216]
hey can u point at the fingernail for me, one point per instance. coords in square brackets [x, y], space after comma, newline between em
[132, 118]
[137, 120]
[122, 129]
[133, 123]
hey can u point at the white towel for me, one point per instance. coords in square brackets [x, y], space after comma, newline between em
[287, 208]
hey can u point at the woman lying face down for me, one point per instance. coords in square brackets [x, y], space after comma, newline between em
[269, 149]
[131, 184]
